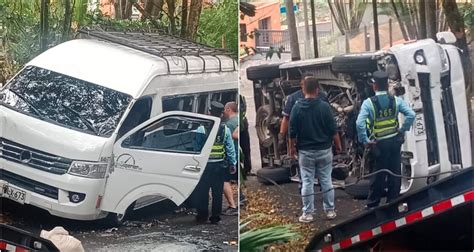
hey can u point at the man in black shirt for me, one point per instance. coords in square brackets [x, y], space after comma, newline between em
[312, 130]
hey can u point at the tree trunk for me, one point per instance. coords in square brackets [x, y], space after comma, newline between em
[376, 25]
[290, 17]
[171, 9]
[400, 21]
[67, 19]
[146, 15]
[193, 20]
[184, 18]
[431, 19]
[123, 9]
[456, 24]
[44, 25]
[422, 15]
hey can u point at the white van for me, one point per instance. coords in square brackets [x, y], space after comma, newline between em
[99, 126]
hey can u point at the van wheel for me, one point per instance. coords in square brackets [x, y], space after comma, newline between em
[278, 175]
[263, 72]
[354, 63]
[360, 190]
[116, 220]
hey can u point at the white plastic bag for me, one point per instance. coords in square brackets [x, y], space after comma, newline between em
[62, 240]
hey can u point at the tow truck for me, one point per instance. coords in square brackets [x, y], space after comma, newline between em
[438, 216]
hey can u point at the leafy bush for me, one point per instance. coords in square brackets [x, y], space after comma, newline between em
[257, 238]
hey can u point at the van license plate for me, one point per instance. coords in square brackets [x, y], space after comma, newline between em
[419, 125]
[14, 194]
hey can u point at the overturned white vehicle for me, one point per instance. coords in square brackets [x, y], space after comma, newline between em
[426, 74]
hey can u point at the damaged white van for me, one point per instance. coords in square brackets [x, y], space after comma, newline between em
[98, 126]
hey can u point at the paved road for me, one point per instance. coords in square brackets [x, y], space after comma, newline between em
[155, 228]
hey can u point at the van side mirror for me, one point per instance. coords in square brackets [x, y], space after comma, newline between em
[446, 37]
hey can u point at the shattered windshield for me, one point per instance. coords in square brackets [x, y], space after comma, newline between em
[65, 101]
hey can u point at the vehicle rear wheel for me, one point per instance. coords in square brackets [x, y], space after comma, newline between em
[354, 63]
[277, 174]
[359, 190]
[263, 72]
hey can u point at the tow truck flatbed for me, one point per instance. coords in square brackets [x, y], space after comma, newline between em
[436, 217]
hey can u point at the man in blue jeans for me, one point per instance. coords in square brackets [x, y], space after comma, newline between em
[312, 130]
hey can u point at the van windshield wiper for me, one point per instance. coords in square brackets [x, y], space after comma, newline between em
[27, 102]
[83, 119]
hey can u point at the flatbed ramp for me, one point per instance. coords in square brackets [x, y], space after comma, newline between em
[437, 217]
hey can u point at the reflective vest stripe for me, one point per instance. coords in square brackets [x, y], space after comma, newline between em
[385, 123]
[218, 149]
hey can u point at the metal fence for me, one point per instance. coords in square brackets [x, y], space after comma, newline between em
[265, 39]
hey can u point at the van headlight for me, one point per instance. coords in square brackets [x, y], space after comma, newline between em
[420, 57]
[88, 169]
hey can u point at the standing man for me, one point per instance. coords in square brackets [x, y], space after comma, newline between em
[292, 100]
[312, 130]
[232, 122]
[213, 176]
[379, 117]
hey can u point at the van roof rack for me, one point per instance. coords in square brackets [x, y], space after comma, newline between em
[161, 45]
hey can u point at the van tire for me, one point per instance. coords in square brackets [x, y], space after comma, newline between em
[360, 190]
[263, 72]
[278, 175]
[354, 63]
[117, 220]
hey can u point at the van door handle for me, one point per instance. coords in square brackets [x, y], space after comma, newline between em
[192, 168]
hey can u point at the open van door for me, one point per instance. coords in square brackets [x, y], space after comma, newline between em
[162, 157]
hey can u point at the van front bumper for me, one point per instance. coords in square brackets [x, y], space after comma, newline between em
[53, 192]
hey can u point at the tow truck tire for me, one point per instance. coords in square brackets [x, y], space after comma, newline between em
[263, 72]
[360, 190]
[279, 175]
[354, 63]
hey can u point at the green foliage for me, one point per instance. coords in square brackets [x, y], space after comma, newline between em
[256, 239]
[467, 11]
[218, 21]
[20, 27]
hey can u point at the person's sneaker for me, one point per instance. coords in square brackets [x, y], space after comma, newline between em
[306, 218]
[331, 214]
[231, 211]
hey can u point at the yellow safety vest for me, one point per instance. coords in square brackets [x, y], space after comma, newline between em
[385, 123]
[218, 149]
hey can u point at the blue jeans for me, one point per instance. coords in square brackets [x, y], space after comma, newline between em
[319, 162]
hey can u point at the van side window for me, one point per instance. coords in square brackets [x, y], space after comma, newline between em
[180, 103]
[139, 113]
[172, 134]
[202, 106]
[224, 97]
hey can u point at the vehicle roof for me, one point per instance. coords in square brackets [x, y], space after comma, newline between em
[119, 67]
[305, 63]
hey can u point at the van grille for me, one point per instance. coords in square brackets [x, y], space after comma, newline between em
[29, 184]
[33, 158]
